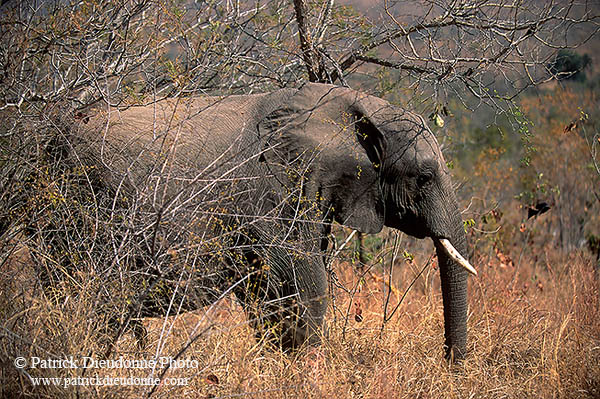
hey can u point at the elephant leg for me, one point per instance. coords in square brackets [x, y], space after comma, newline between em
[285, 297]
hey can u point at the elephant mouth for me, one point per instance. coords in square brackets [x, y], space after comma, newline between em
[454, 254]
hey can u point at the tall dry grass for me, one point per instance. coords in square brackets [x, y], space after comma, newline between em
[535, 337]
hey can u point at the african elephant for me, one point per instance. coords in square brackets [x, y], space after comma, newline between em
[272, 171]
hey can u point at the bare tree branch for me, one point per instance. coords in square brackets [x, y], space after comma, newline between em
[310, 56]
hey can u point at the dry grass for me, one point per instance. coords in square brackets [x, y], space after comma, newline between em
[540, 339]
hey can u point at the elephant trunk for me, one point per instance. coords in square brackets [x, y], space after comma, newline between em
[453, 274]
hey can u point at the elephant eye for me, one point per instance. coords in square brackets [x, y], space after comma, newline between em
[424, 178]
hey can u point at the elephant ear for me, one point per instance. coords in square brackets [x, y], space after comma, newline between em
[358, 200]
[281, 136]
[340, 147]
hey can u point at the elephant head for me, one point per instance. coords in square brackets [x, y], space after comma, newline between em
[372, 164]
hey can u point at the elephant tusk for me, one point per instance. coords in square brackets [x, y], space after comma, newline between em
[454, 254]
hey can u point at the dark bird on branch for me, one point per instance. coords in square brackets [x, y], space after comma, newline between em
[570, 127]
[539, 208]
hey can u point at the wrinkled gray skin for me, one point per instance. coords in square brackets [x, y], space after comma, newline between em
[365, 164]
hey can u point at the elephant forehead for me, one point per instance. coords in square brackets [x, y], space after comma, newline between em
[412, 143]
